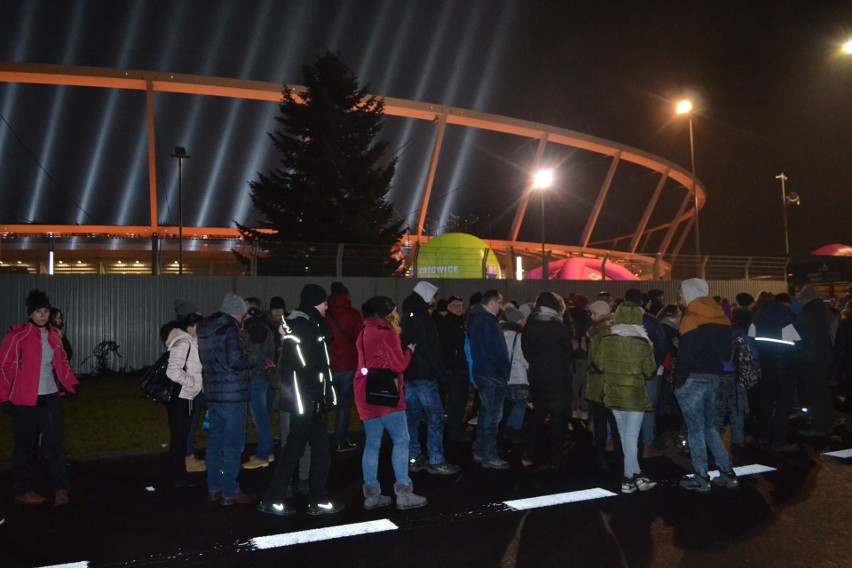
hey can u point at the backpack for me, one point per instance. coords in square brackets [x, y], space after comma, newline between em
[746, 367]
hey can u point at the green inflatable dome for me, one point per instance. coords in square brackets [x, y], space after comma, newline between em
[456, 255]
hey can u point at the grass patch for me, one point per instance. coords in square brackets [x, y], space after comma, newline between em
[110, 416]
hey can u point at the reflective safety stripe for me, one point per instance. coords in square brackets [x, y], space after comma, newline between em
[298, 394]
[773, 340]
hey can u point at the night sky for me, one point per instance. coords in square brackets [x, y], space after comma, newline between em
[774, 96]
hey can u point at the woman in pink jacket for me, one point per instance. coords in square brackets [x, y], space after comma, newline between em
[34, 374]
[379, 347]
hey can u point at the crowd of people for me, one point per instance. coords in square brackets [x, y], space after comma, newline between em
[521, 374]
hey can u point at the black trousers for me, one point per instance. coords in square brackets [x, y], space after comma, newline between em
[180, 421]
[28, 422]
[305, 429]
[601, 415]
[558, 407]
[458, 393]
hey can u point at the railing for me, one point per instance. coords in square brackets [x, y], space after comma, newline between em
[235, 257]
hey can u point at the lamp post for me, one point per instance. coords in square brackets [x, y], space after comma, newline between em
[542, 180]
[181, 155]
[686, 107]
[786, 201]
[847, 47]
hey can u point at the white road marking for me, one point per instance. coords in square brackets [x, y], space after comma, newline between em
[315, 535]
[847, 453]
[558, 499]
[742, 470]
[83, 564]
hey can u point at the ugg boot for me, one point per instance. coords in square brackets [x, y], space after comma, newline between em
[406, 498]
[195, 465]
[373, 497]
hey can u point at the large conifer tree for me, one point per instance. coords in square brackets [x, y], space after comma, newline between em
[332, 180]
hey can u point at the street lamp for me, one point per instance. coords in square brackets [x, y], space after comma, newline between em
[847, 47]
[787, 199]
[685, 107]
[181, 155]
[542, 180]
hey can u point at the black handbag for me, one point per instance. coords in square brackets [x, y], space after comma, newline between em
[156, 383]
[382, 386]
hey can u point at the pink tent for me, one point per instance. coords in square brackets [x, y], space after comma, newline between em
[833, 250]
[578, 268]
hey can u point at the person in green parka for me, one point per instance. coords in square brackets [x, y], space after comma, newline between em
[625, 358]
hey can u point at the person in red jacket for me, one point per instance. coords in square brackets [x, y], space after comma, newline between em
[380, 347]
[34, 374]
[346, 323]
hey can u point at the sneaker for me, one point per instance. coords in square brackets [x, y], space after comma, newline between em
[727, 479]
[628, 485]
[255, 463]
[346, 447]
[29, 498]
[327, 508]
[417, 464]
[477, 458]
[473, 421]
[281, 509]
[239, 498]
[696, 483]
[443, 468]
[496, 464]
[214, 496]
[642, 482]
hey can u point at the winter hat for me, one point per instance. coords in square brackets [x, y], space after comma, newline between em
[694, 288]
[233, 305]
[600, 308]
[37, 300]
[513, 315]
[526, 310]
[312, 295]
[339, 288]
[277, 303]
[807, 294]
[183, 308]
[380, 306]
[452, 299]
[744, 299]
[628, 313]
[548, 300]
[426, 291]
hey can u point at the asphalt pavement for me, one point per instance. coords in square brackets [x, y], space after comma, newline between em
[790, 510]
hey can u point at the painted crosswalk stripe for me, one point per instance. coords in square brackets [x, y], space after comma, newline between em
[315, 535]
[558, 499]
[847, 453]
[742, 470]
[83, 564]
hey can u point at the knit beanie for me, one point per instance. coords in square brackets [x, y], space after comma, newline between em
[426, 291]
[233, 305]
[380, 306]
[514, 316]
[36, 300]
[807, 294]
[277, 303]
[694, 288]
[548, 300]
[600, 308]
[744, 299]
[312, 295]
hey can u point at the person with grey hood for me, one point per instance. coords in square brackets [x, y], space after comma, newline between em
[421, 382]
[226, 362]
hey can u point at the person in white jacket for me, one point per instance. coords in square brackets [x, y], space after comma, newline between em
[519, 387]
[185, 371]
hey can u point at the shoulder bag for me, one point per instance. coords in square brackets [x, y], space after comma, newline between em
[382, 384]
[156, 383]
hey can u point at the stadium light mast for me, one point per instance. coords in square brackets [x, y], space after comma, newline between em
[686, 107]
[542, 180]
[181, 155]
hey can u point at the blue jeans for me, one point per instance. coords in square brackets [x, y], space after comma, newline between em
[492, 393]
[515, 420]
[648, 418]
[423, 396]
[342, 381]
[629, 423]
[225, 445]
[397, 428]
[259, 407]
[697, 399]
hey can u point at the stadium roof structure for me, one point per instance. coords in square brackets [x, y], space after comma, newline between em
[674, 230]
